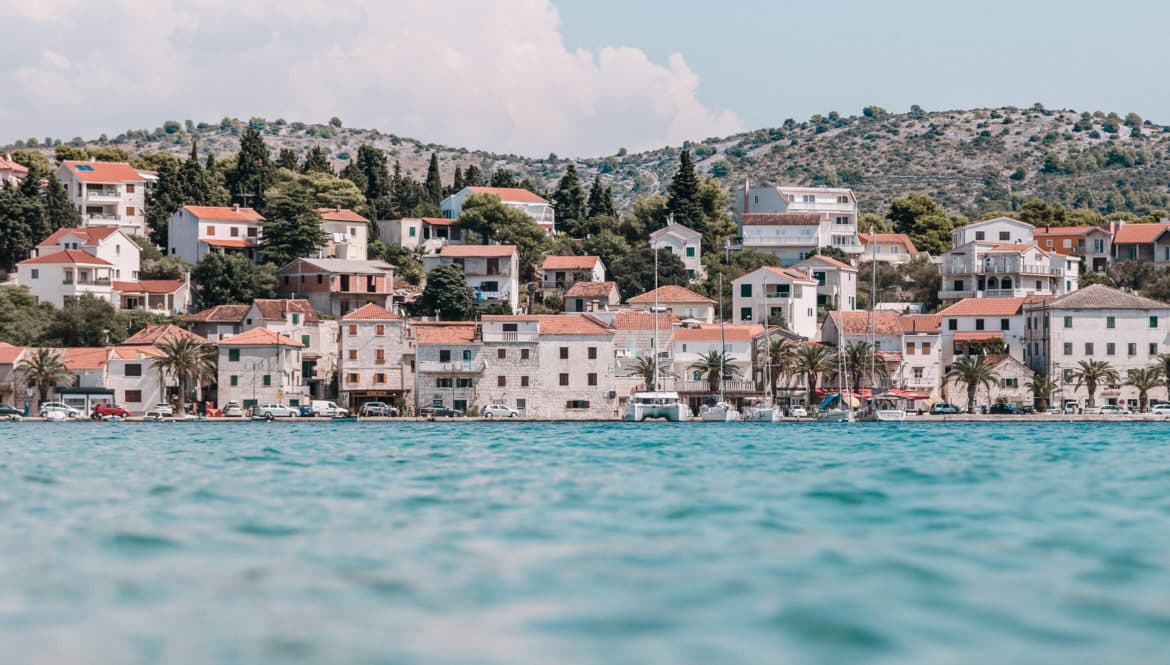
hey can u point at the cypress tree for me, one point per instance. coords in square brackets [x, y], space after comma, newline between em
[473, 177]
[254, 171]
[316, 161]
[607, 200]
[569, 202]
[683, 200]
[59, 210]
[457, 185]
[596, 204]
[434, 182]
[287, 159]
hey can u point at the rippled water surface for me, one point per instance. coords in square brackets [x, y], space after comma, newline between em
[591, 543]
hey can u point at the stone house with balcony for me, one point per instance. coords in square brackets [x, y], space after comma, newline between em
[65, 275]
[592, 297]
[429, 232]
[193, 232]
[259, 366]
[793, 222]
[892, 248]
[976, 325]
[165, 297]
[337, 286]
[1093, 245]
[492, 271]
[107, 193]
[552, 366]
[540, 210]
[678, 300]
[1007, 270]
[693, 342]
[1096, 323]
[683, 242]
[836, 281]
[348, 232]
[218, 323]
[448, 364]
[296, 319]
[784, 297]
[373, 345]
[558, 273]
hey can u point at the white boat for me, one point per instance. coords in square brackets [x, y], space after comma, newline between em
[889, 415]
[837, 415]
[55, 416]
[761, 413]
[719, 412]
[112, 419]
[662, 404]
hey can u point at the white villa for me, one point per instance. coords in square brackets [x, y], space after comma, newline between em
[558, 272]
[108, 243]
[785, 297]
[65, 275]
[999, 258]
[793, 222]
[348, 233]
[974, 324]
[683, 242]
[195, 231]
[893, 248]
[540, 210]
[836, 281]
[429, 232]
[107, 193]
[681, 301]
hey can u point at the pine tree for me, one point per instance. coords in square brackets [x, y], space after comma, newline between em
[254, 172]
[293, 228]
[569, 202]
[287, 159]
[20, 217]
[457, 185]
[162, 200]
[473, 177]
[434, 182]
[596, 204]
[59, 210]
[503, 178]
[316, 161]
[683, 200]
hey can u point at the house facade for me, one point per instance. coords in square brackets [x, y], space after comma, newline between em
[683, 242]
[193, 232]
[999, 258]
[784, 297]
[13, 387]
[1010, 385]
[1135, 242]
[448, 364]
[680, 301]
[337, 286]
[540, 210]
[348, 233]
[892, 248]
[296, 319]
[131, 375]
[260, 367]
[592, 297]
[492, 271]
[975, 325]
[165, 297]
[108, 243]
[921, 367]
[836, 281]
[107, 193]
[66, 275]
[691, 343]
[793, 222]
[218, 323]
[1092, 244]
[429, 232]
[373, 343]
[561, 272]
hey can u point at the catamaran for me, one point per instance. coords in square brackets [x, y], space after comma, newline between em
[721, 411]
[656, 403]
[887, 413]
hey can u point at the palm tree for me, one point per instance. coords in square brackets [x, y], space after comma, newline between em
[186, 360]
[811, 361]
[645, 368]
[1144, 379]
[777, 356]
[863, 362]
[1163, 362]
[1092, 373]
[973, 371]
[715, 364]
[45, 369]
[1042, 387]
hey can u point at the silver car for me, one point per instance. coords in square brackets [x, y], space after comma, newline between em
[498, 411]
[60, 407]
[275, 410]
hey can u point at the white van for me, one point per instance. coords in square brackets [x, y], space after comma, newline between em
[321, 408]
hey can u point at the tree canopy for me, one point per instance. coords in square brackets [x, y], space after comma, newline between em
[224, 279]
[446, 293]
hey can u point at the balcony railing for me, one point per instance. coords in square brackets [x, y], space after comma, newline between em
[757, 241]
[101, 281]
[102, 194]
[511, 337]
[96, 217]
[705, 387]
[473, 366]
[1002, 270]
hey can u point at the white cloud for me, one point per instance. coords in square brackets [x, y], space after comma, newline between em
[476, 73]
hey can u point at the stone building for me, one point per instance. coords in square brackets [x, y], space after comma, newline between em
[372, 344]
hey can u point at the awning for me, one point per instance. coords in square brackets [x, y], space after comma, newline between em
[981, 336]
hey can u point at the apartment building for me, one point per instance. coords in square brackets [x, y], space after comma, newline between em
[165, 297]
[107, 193]
[1092, 244]
[373, 344]
[131, 375]
[978, 325]
[65, 275]
[337, 286]
[836, 281]
[921, 368]
[348, 233]
[635, 339]
[492, 271]
[683, 242]
[540, 210]
[448, 364]
[429, 232]
[558, 273]
[737, 341]
[784, 297]
[999, 258]
[793, 222]
[259, 366]
[678, 300]
[193, 232]
[892, 248]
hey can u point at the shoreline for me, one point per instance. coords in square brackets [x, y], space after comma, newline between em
[910, 419]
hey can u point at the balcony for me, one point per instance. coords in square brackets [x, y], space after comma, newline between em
[100, 281]
[950, 294]
[102, 219]
[110, 195]
[473, 366]
[526, 336]
[705, 387]
[779, 241]
[999, 269]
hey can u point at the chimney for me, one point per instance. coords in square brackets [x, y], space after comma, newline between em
[235, 207]
[337, 209]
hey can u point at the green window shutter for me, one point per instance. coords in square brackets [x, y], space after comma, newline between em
[268, 379]
[305, 340]
[235, 380]
[234, 355]
[745, 290]
[690, 251]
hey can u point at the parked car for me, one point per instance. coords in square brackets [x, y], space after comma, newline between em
[1160, 409]
[440, 410]
[1005, 408]
[377, 410]
[109, 409]
[9, 410]
[798, 412]
[1114, 410]
[1055, 410]
[60, 407]
[276, 410]
[943, 408]
[1028, 409]
[1071, 406]
[233, 410]
[498, 411]
[1092, 411]
[163, 409]
[325, 409]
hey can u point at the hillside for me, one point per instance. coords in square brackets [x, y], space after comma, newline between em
[967, 160]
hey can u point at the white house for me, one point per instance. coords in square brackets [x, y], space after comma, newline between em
[11, 172]
[131, 375]
[693, 342]
[996, 231]
[782, 296]
[296, 319]
[66, 275]
[681, 301]
[1096, 323]
[218, 323]
[448, 364]
[977, 324]
[259, 367]
[372, 344]
[794, 222]
[559, 272]
[493, 271]
[893, 248]
[430, 232]
[107, 193]
[540, 210]
[195, 231]
[683, 242]
[105, 242]
[921, 368]
[836, 281]
[166, 297]
[349, 234]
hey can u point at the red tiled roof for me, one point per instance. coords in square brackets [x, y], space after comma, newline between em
[922, 323]
[670, 294]
[274, 309]
[9, 353]
[829, 260]
[224, 213]
[89, 235]
[1064, 230]
[234, 243]
[436, 221]
[710, 333]
[10, 165]
[444, 332]
[985, 307]
[153, 334]
[158, 286]
[103, 171]
[82, 358]
[1020, 247]
[1131, 233]
[591, 289]
[221, 314]
[790, 274]
[73, 256]
[890, 238]
[570, 262]
[469, 251]
[340, 215]
[260, 337]
[370, 312]
[558, 324]
[132, 352]
[978, 336]
[514, 194]
[639, 320]
[783, 218]
[857, 323]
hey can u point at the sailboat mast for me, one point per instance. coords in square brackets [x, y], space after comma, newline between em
[873, 321]
[722, 343]
[767, 345]
[654, 316]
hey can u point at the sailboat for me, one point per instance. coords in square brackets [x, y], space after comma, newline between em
[764, 411]
[656, 403]
[721, 411]
[842, 411]
[876, 413]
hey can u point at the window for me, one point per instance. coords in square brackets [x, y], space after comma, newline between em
[379, 377]
[1005, 235]
[1153, 322]
[745, 313]
[352, 330]
[1088, 348]
[235, 231]
[1110, 322]
[1153, 348]
[210, 230]
[1068, 322]
[133, 396]
[353, 354]
[463, 383]
[591, 379]
[305, 340]
[1067, 244]
[523, 354]
[1049, 243]
[1005, 324]
[320, 279]
[1132, 349]
[979, 235]
[134, 369]
[413, 232]
[233, 355]
[268, 379]
[926, 348]
[842, 220]
[129, 211]
[379, 356]
[690, 251]
[910, 348]
[564, 353]
[235, 380]
[918, 372]
[1066, 375]
[129, 188]
[1110, 348]
[1068, 348]
[564, 379]
[460, 405]
[577, 404]
[501, 353]
[36, 273]
[1009, 382]
[842, 198]
[444, 355]
[820, 277]
[501, 380]
[979, 324]
[380, 329]
[952, 324]
[593, 353]
[745, 290]
[444, 383]
[524, 382]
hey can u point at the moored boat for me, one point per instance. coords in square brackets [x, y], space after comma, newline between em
[719, 412]
[656, 405]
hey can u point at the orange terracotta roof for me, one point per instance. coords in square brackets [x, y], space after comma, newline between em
[791, 274]
[978, 336]
[890, 238]
[1020, 247]
[470, 251]
[433, 221]
[72, 256]
[233, 243]
[985, 307]
[83, 358]
[370, 312]
[89, 235]
[1131, 233]
[670, 294]
[132, 352]
[570, 262]
[921, 323]
[224, 213]
[591, 289]
[558, 324]
[221, 314]
[638, 320]
[857, 323]
[9, 353]
[444, 332]
[513, 194]
[155, 333]
[103, 171]
[829, 260]
[10, 165]
[710, 333]
[783, 218]
[260, 337]
[1064, 230]
[340, 215]
[274, 309]
[157, 286]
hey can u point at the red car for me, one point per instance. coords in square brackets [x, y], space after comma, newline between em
[103, 410]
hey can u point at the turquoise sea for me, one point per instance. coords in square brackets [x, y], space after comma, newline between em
[512, 543]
